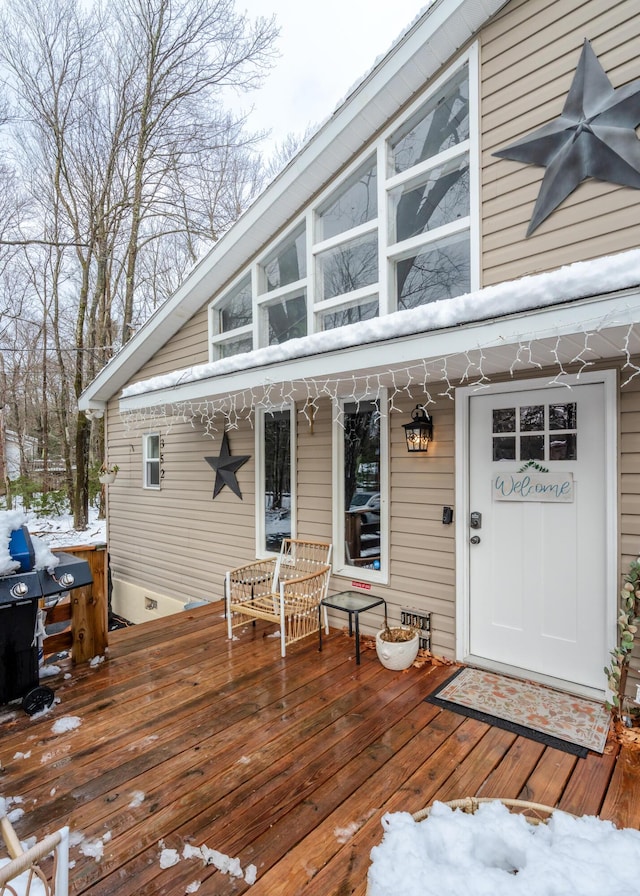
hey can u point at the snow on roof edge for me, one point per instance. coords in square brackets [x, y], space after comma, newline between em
[581, 279]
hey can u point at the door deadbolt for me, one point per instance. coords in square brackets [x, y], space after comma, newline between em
[475, 520]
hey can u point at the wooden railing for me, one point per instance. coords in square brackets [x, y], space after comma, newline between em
[85, 609]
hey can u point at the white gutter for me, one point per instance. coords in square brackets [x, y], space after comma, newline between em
[603, 315]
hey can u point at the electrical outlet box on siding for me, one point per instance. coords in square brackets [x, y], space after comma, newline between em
[138, 604]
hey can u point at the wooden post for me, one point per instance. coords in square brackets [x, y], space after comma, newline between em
[89, 606]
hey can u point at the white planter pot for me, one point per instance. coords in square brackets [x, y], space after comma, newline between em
[397, 655]
[107, 478]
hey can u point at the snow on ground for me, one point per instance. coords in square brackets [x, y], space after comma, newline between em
[498, 853]
[58, 531]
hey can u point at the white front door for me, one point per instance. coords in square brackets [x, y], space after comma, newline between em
[538, 557]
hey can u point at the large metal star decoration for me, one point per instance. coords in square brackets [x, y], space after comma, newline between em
[226, 467]
[593, 137]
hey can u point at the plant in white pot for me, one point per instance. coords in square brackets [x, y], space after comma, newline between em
[397, 647]
[107, 473]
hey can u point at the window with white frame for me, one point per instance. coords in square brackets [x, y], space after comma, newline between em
[283, 292]
[275, 491]
[360, 471]
[151, 460]
[231, 321]
[429, 198]
[346, 251]
[399, 230]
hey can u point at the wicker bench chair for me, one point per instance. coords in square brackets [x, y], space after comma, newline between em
[22, 873]
[286, 590]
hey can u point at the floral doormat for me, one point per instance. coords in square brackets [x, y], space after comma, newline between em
[569, 723]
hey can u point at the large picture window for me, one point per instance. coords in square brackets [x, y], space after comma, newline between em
[275, 498]
[362, 460]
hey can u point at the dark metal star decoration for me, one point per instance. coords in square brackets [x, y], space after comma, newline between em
[593, 137]
[226, 467]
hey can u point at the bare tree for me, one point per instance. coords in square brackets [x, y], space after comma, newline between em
[121, 137]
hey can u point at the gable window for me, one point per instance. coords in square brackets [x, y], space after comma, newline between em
[151, 460]
[285, 318]
[231, 321]
[395, 230]
[283, 294]
[361, 457]
[429, 193]
[350, 314]
[287, 264]
[348, 267]
[355, 203]
[346, 251]
[441, 271]
[274, 504]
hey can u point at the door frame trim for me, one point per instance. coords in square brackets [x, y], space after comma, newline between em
[463, 396]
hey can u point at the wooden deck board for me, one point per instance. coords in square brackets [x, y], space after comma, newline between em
[287, 764]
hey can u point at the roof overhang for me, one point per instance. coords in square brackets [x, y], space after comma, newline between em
[576, 334]
[428, 44]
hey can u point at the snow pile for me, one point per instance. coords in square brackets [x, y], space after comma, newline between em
[94, 849]
[67, 723]
[219, 860]
[499, 853]
[6, 802]
[49, 670]
[44, 557]
[169, 857]
[20, 885]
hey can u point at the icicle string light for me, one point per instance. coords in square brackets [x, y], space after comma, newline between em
[417, 382]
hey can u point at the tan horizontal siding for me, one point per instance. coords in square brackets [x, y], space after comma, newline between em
[422, 548]
[189, 346]
[177, 540]
[528, 58]
[313, 475]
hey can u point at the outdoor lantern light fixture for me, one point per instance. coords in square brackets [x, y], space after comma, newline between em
[420, 431]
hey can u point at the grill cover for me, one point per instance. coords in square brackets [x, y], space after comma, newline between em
[21, 549]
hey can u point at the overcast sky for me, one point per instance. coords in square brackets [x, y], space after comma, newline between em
[325, 49]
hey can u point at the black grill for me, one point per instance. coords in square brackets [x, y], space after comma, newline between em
[20, 596]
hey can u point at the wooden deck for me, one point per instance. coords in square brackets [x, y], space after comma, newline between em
[286, 764]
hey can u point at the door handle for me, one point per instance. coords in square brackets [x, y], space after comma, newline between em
[475, 539]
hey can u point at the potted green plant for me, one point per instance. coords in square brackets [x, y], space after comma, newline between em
[397, 647]
[107, 473]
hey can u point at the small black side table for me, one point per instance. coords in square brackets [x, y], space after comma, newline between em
[353, 603]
